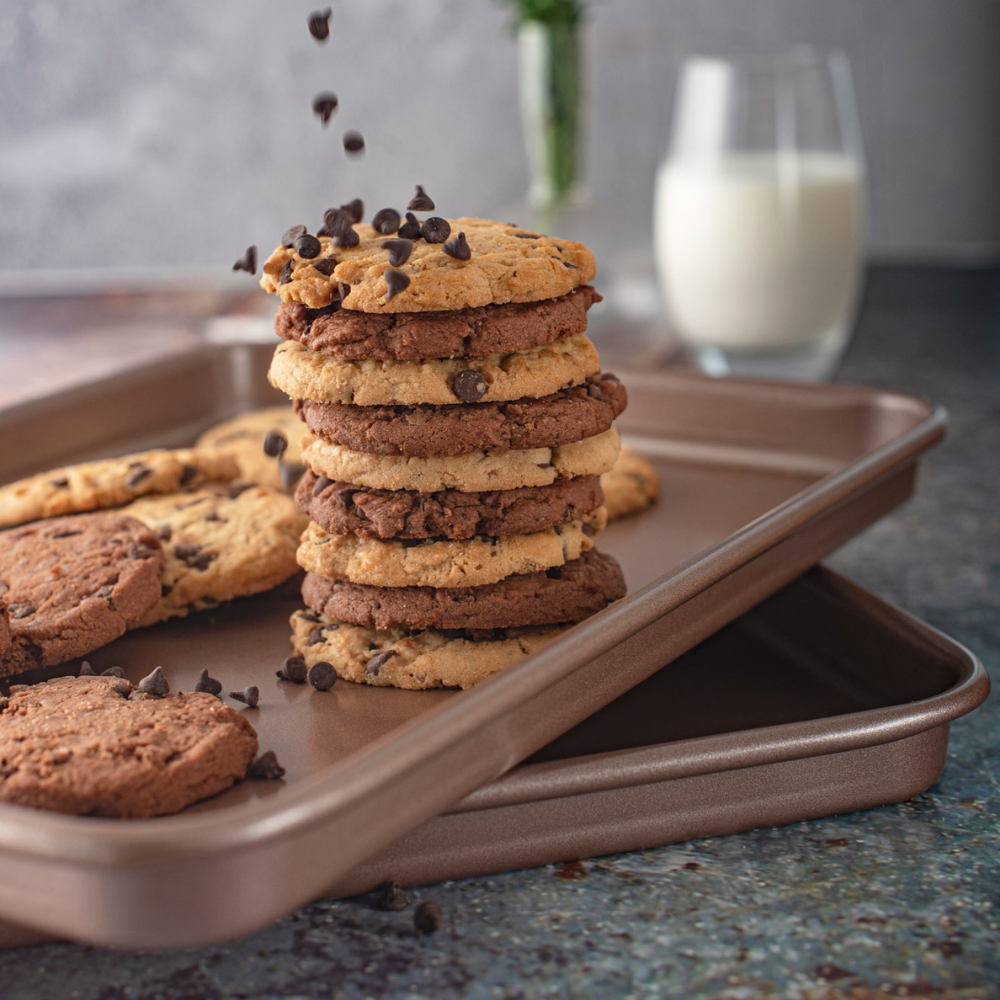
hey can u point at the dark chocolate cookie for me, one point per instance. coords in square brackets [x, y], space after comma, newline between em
[343, 508]
[569, 415]
[74, 583]
[556, 596]
[412, 336]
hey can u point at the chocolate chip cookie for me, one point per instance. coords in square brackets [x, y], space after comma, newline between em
[631, 485]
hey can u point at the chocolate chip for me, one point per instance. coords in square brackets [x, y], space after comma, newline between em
[571, 266]
[410, 230]
[86, 670]
[343, 290]
[393, 898]
[326, 265]
[594, 390]
[527, 236]
[266, 767]
[589, 530]
[399, 251]
[320, 485]
[248, 262]
[208, 685]
[61, 483]
[322, 676]
[286, 272]
[188, 472]
[420, 202]
[105, 592]
[356, 208]
[315, 636]
[139, 551]
[294, 670]
[68, 533]
[395, 282]
[554, 573]
[324, 106]
[470, 386]
[290, 472]
[427, 917]
[386, 221]
[337, 221]
[138, 475]
[154, 684]
[354, 142]
[348, 239]
[123, 688]
[435, 229]
[275, 444]
[308, 246]
[374, 666]
[458, 248]
[309, 615]
[249, 695]
[291, 235]
[319, 24]
[235, 489]
[113, 672]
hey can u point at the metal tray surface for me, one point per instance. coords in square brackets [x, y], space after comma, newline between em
[760, 482]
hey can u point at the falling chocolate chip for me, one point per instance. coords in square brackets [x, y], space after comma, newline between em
[324, 106]
[410, 230]
[138, 475]
[154, 684]
[354, 142]
[266, 767]
[319, 24]
[470, 386]
[348, 239]
[336, 222]
[386, 221]
[393, 898]
[356, 209]
[113, 672]
[294, 670]
[420, 202]
[326, 265]
[275, 443]
[286, 272]
[248, 262]
[395, 282]
[290, 472]
[343, 290]
[374, 666]
[208, 685]
[399, 251]
[291, 235]
[435, 229]
[308, 246]
[427, 917]
[61, 483]
[458, 248]
[249, 695]
[86, 670]
[322, 676]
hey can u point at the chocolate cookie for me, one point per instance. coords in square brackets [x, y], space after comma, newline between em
[72, 584]
[343, 508]
[79, 745]
[565, 416]
[556, 596]
[460, 333]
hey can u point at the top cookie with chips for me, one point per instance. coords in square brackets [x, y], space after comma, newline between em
[505, 264]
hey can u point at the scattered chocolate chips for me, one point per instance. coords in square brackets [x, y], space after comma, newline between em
[291, 235]
[319, 24]
[154, 684]
[286, 272]
[294, 670]
[113, 672]
[435, 229]
[248, 262]
[266, 767]
[386, 221]
[421, 202]
[356, 208]
[137, 475]
[374, 666]
[354, 142]
[343, 290]
[395, 282]
[61, 483]
[275, 444]
[470, 386]
[410, 230]
[308, 246]
[324, 105]
[348, 239]
[326, 265]
[86, 670]
[322, 676]
[249, 695]
[208, 685]
[393, 898]
[399, 251]
[427, 917]
[458, 248]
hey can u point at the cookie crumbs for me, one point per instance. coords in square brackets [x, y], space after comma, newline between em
[427, 917]
[266, 767]
[393, 898]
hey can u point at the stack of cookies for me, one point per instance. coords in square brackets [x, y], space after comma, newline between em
[459, 426]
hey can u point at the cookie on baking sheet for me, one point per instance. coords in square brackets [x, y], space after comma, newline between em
[397, 658]
[72, 584]
[219, 544]
[460, 333]
[630, 485]
[242, 438]
[567, 593]
[345, 508]
[473, 472]
[108, 482]
[432, 562]
[79, 745]
[535, 371]
[563, 417]
[507, 264]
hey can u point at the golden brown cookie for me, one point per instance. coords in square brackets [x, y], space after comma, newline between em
[508, 264]
[631, 485]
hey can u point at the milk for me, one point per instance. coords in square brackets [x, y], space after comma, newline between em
[759, 250]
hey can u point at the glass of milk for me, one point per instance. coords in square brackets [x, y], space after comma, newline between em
[759, 213]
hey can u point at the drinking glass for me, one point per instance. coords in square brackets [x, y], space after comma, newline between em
[759, 213]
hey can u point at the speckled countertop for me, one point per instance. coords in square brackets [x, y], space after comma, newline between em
[899, 901]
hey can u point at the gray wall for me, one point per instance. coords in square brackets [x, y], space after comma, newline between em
[142, 134]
